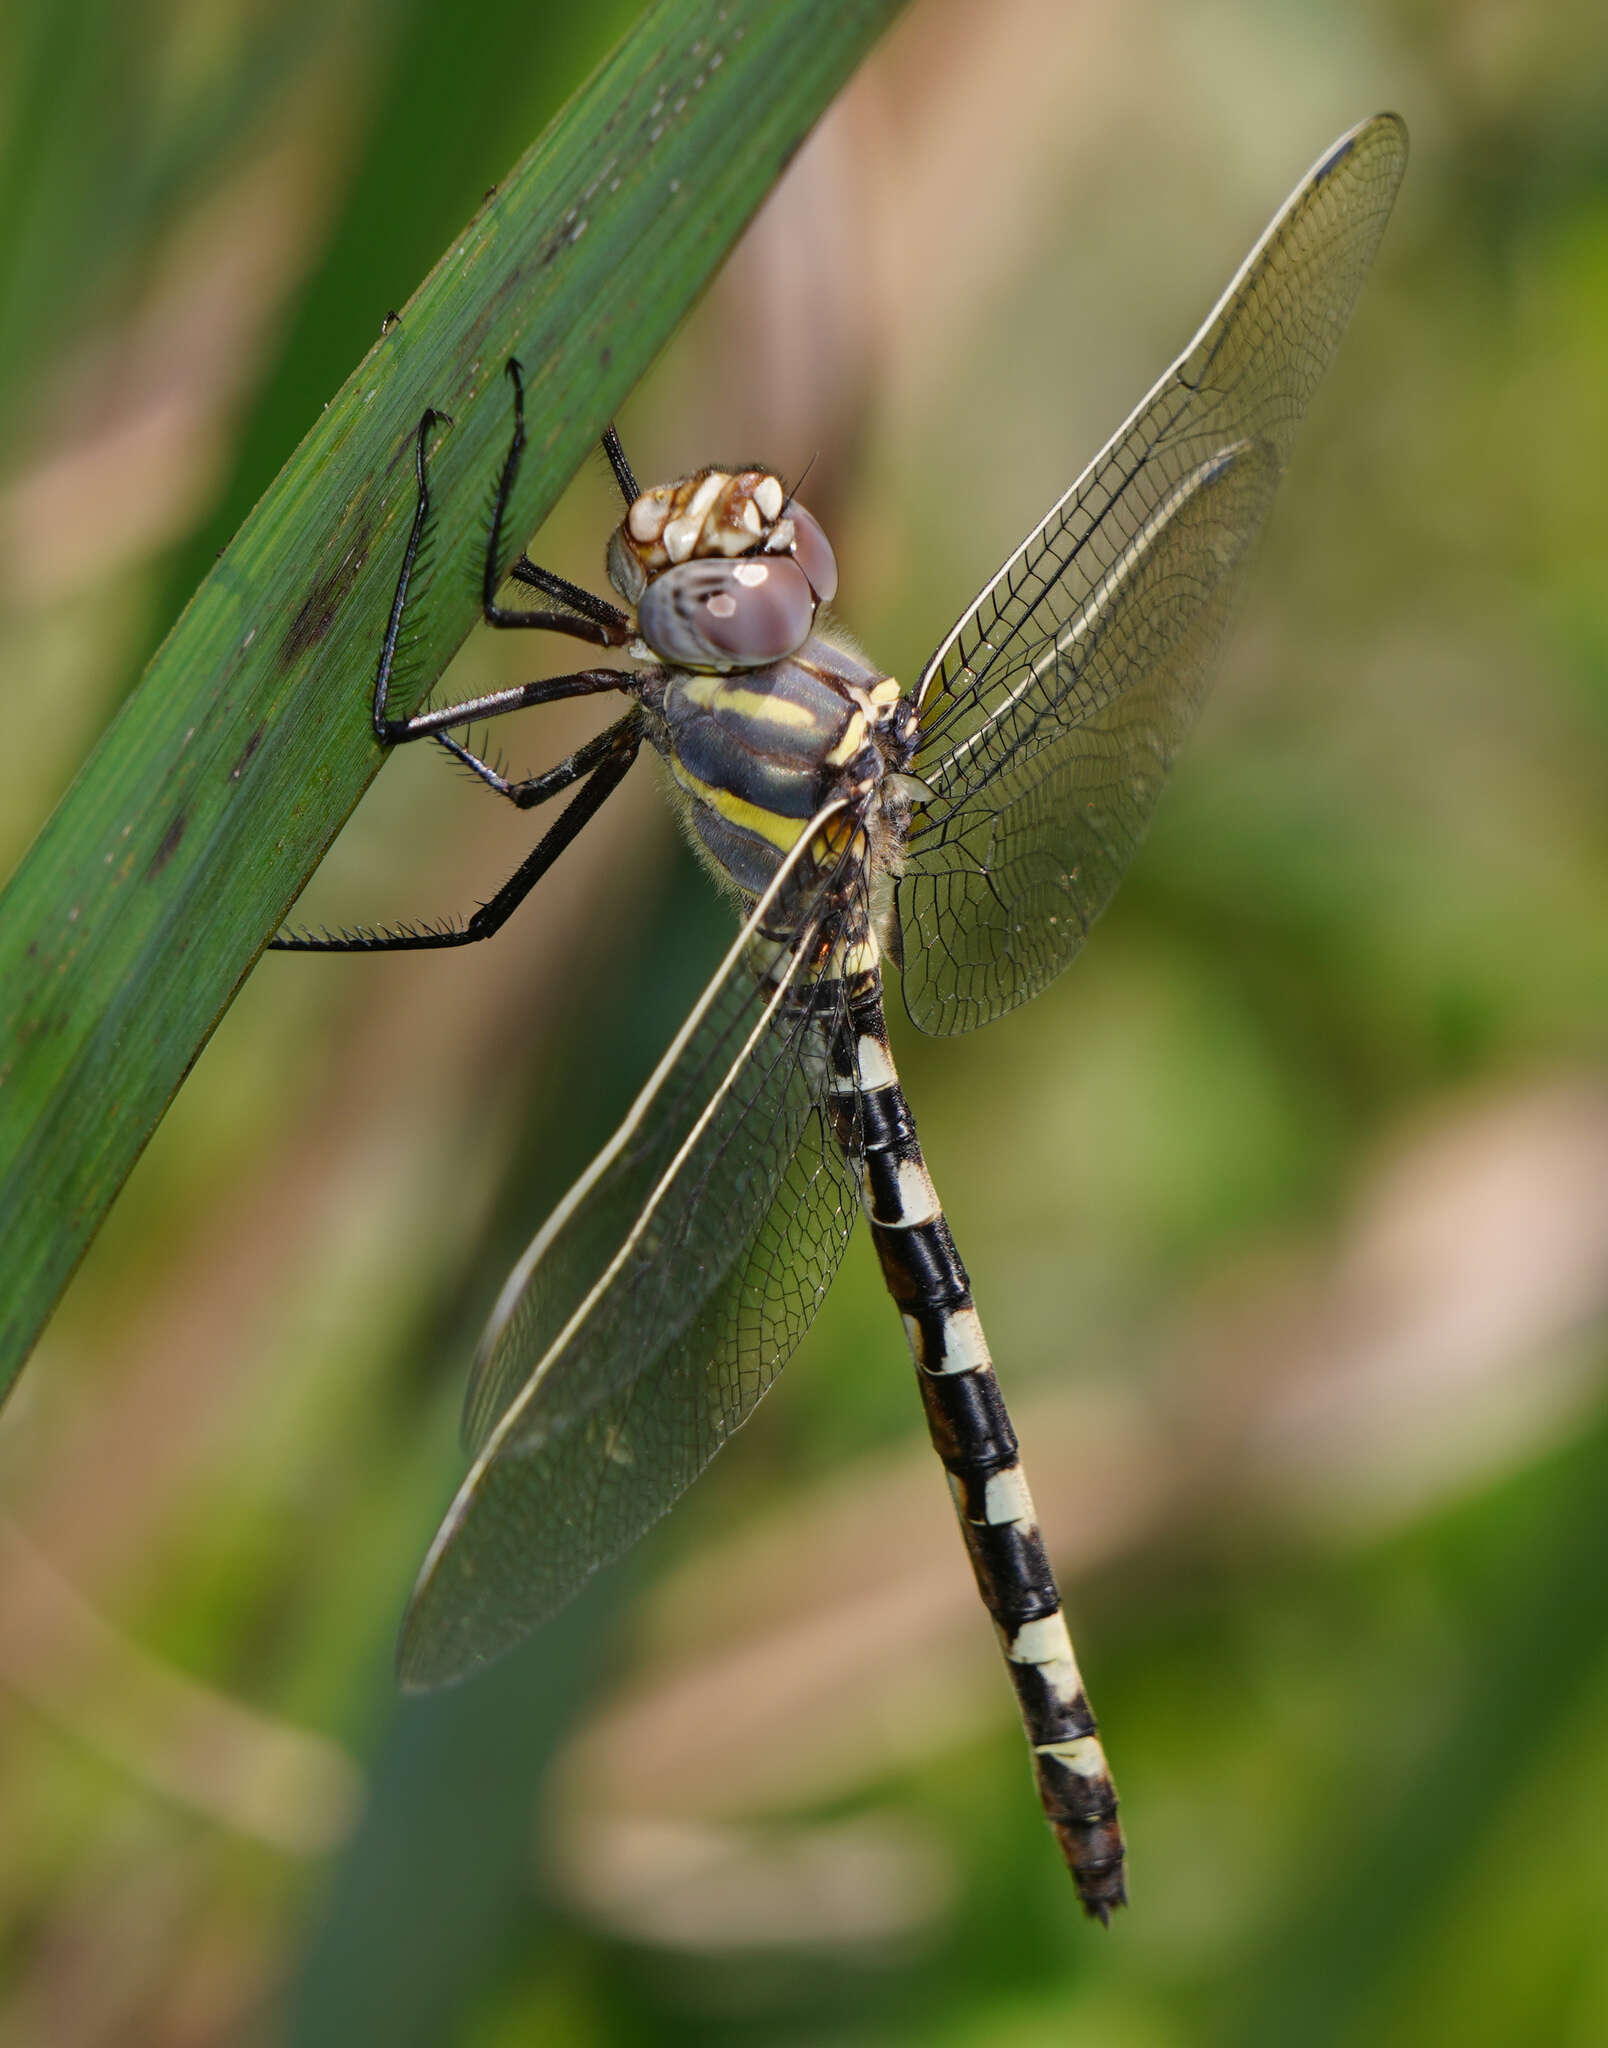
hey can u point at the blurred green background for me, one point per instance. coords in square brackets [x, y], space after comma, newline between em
[1287, 1211]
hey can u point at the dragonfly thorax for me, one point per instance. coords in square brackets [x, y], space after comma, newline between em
[725, 570]
[756, 756]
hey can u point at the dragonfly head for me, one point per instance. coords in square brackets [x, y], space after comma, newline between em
[725, 570]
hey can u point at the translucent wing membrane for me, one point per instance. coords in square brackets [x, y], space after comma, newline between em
[655, 1306]
[1051, 713]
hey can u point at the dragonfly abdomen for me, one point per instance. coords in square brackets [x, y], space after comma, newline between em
[972, 1434]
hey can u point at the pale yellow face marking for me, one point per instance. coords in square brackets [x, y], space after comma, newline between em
[750, 519]
[875, 1064]
[645, 520]
[681, 537]
[768, 496]
[707, 492]
[1006, 1498]
[1082, 1755]
[965, 1346]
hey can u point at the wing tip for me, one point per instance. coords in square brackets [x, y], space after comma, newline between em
[430, 1659]
[1377, 126]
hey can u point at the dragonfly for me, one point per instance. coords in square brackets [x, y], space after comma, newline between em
[965, 832]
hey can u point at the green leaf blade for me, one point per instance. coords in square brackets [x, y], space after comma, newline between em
[145, 901]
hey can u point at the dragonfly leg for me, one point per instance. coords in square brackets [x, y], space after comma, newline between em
[623, 474]
[585, 616]
[604, 767]
[603, 632]
[587, 682]
[536, 789]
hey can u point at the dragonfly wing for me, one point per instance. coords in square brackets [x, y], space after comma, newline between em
[653, 1309]
[1050, 714]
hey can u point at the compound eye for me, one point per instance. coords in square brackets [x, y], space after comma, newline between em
[813, 551]
[712, 614]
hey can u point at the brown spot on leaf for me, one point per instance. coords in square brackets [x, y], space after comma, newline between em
[313, 621]
[317, 614]
[170, 846]
[247, 751]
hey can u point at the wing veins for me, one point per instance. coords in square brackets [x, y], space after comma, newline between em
[1189, 375]
[1091, 615]
[1052, 710]
[784, 1059]
[1021, 566]
[500, 1431]
[514, 1286]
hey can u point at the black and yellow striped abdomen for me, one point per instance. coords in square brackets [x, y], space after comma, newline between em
[972, 1434]
[756, 756]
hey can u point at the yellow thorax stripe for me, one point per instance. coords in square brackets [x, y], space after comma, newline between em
[710, 692]
[781, 832]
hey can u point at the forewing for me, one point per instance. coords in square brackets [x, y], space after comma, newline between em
[1051, 713]
[651, 1312]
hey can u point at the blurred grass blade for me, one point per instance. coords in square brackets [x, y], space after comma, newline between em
[1397, 1870]
[146, 899]
[106, 133]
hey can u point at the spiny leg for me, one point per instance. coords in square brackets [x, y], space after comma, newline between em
[623, 474]
[604, 765]
[586, 617]
[536, 789]
[399, 597]
[391, 731]
[603, 759]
